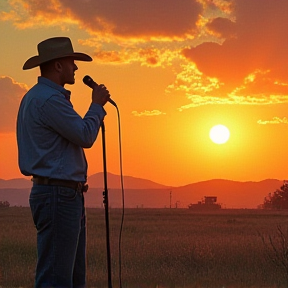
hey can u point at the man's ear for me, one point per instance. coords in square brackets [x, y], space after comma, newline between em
[58, 66]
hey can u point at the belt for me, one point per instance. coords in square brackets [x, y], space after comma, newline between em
[58, 182]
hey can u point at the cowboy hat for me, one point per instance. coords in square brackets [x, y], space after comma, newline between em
[54, 48]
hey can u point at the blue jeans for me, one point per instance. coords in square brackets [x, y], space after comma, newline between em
[59, 216]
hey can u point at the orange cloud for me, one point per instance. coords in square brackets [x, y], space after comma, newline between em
[259, 42]
[121, 31]
[137, 18]
[152, 57]
[30, 14]
[212, 5]
[126, 19]
[238, 48]
[148, 113]
[262, 83]
[249, 67]
[11, 93]
[275, 120]
[257, 89]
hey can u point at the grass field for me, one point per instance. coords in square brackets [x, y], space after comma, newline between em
[161, 248]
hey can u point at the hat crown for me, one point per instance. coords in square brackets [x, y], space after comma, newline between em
[54, 48]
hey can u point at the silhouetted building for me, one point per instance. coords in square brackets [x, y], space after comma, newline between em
[208, 203]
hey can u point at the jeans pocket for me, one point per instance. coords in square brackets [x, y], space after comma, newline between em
[66, 194]
[40, 204]
[69, 205]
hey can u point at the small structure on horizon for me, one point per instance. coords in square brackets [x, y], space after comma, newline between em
[208, 203]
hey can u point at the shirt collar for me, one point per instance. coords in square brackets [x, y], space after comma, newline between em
[46, 81]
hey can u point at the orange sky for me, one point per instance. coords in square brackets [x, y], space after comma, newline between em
[175, 69]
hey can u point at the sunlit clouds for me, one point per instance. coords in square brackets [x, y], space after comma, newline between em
[275, 120]
[225, 41]
[32, 14]
[224, 52]
[123, 19]
[11, 94]
[148, 113]
[150, 57]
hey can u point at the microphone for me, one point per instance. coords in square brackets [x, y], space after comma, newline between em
[91, 83]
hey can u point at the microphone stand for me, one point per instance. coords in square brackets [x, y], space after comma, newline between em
[106, 205]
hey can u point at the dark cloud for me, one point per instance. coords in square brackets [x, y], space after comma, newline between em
[137, 18]
[120, 18]
[222, 27]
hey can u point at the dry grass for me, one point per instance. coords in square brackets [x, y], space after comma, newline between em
[164, 247]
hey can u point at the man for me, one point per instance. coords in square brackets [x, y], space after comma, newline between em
[51, 137]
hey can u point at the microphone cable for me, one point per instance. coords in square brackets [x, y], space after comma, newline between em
[123, 199]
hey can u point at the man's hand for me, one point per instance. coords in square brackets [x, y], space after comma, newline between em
[100, 94]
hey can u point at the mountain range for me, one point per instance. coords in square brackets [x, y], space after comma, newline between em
[140, 192]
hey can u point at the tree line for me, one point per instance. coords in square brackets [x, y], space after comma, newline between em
[277, 200]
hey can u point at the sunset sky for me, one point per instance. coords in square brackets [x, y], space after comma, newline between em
[175, 70]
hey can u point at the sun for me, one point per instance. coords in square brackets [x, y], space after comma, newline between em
[219, 134]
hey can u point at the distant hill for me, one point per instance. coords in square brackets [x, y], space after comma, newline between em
[95, 181]
[18, 183]
[145, 193]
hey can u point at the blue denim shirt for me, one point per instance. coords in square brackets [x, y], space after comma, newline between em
[51, 135]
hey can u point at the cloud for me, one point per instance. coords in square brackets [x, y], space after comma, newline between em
[222, 28]
[121, 31]
[127, 31]
[11, 94]
[275, 120]
[198, 100]
[30, 14]
[124, 19]
[255, 41]
[257, 89]
[245, 63]
[230, 51]
[137, 18]
[148, 113]
[151, 57]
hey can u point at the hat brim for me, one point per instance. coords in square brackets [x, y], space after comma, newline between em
[36, 61]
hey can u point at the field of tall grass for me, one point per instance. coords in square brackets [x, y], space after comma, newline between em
[162, 248]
